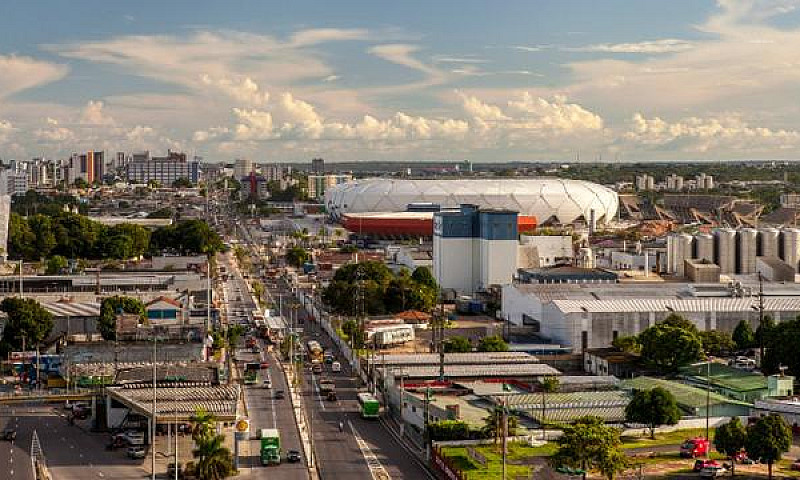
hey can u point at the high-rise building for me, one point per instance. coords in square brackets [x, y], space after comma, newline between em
[143, 168]
[13, 181]
[317, 184]
[317, 166]
[704, 182]
[645, 182]
[474, 249]
[242, 168]
[675, 183]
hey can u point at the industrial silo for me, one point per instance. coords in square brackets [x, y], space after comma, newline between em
[791, 246]
[704, 247]
[746, 241]
[725, 249]
[683, 251]
[768, 242]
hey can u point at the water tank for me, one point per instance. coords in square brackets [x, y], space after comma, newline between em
[704, 247]
[725, 250]
[791, 246]
[746, 250]
[768, 242]
[585, 257]
[671, 240]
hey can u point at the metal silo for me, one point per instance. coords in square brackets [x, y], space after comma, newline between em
[725, 249]
[768, 242]
[791, 246]
[746, 250]
[704, 247]
[683, 251]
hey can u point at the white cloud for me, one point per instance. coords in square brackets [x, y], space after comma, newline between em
[403, 54]
[243, 90]
[19, 73]
[6, 128]
[324, 35]
[465, 59]
[667, 45]
[331, 78]
[693, 134]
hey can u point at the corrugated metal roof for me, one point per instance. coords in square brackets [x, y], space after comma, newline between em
[489, 371]
[73, 309]
[220, 400]
[688, 305]
[477, 358]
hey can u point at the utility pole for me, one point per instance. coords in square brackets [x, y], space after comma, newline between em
[155, 416]
[708, 398]
[760, 320]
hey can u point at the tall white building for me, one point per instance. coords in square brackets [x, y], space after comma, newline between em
[318, 184]
[243, 167]
[675, 182]
[645, 182]
[474, 249]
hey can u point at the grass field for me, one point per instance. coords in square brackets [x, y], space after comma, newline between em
[494, 460]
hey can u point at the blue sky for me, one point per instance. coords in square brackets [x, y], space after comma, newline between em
[411, 80]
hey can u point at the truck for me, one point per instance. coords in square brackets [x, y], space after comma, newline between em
[270, 446]
[694, 447]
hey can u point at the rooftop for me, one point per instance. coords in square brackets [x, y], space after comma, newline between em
[481, 371]
[180, 402]
[726, 377]
[476, 358]
[566, 407]
[685, 395]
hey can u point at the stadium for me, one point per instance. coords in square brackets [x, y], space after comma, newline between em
[375, 205]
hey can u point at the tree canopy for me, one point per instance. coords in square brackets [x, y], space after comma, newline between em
[110, 307]
[589, 444]
[187, 237]
[297, 256]
[768, 439]
[492, 343]
[730, 439]
[457, 345]
[743, 335]
[670, 344]
[371, 288]
[28, 323]
[717, 343]
[653, 408]
[782, 347]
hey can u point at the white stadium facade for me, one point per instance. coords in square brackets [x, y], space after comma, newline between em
[549, 200]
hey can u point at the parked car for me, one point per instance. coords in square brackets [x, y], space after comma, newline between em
[279, 395]
[9, 434]
[713, 471]
[267, 383]
[699, 465]
[293, 456]
[136, 452]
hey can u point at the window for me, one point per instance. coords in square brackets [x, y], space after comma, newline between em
[584, 340]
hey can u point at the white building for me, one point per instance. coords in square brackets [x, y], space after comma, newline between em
[473, 249]
[319, 184]
[537, 251]
[243, 167]
[592, 316]
[13, 182]
[675, 182]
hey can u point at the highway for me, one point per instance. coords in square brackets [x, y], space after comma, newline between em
[263, 409]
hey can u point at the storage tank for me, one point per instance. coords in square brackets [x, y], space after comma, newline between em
[791, 246]
[683, 251]
[725, 250]
[768, 242]
[704, 247]
[746, 250]
[671, 241]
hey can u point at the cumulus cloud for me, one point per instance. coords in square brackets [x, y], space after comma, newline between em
[696, 134]
[93, 114]
[667, 45]
[243, 90]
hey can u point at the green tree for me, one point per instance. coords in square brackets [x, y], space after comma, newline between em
[676, 320]
[165, 212]
[764, 330]
[297, 256]
[589, 444]
[668, 347]
[628, 344]
[182, 182]
[21, 239]
[80, 183]
[445, 430]
[354, 333]
[782, 348]
[492, 343]
[110, 307]
[653, 408]
[28, 323]
[716, 343]
[457, 345]
[743, 335]
[730, 439]
[56, 265]
[423, 276]
[768, 439]
[214, 461]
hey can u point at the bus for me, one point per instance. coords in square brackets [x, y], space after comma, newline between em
[314, 351]
[251, 373]
[370, 407]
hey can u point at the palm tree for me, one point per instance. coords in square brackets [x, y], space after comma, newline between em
[203, 426]
[494, 424]
[215, 461]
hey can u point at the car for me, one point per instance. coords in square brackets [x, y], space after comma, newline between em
[267, 383]
[9, 434]
[713, 471]
[795, 465]
[699, 465]
[293, 456]
[279, 394]
[331, 397]
[136, 452]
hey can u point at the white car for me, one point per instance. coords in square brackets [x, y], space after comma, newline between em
[336, 367]
[712, 471]
[267, 383]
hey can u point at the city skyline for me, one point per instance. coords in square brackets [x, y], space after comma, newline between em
[358, 81]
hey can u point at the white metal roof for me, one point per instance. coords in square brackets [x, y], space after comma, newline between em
[688, 305]
[501, 370]
[479, 358]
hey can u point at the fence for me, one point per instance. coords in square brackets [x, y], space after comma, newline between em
[444, 466]
[37, 459]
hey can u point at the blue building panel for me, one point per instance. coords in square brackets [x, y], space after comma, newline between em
[500, 225]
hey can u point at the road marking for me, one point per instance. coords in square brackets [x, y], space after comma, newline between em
[376, 469]
[319, 397]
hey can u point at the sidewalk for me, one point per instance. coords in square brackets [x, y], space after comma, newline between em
[300, 416]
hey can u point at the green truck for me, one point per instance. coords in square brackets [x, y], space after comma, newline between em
[270, 446]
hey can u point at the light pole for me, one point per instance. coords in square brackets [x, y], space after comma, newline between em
[155, 416]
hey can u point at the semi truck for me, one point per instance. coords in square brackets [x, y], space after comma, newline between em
[270, 446]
